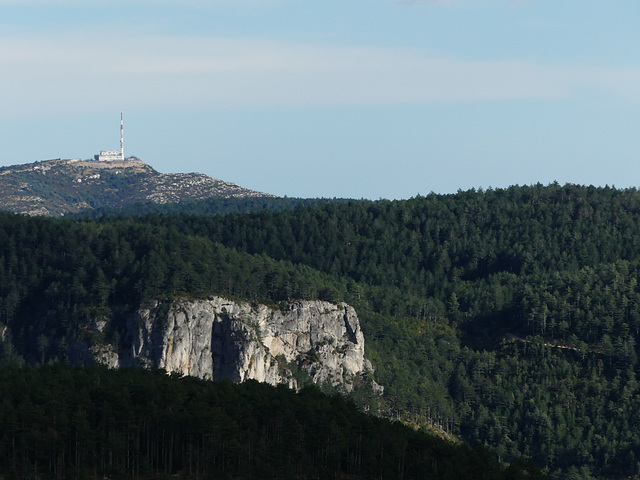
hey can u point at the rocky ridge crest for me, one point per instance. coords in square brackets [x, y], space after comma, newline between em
[56, 187]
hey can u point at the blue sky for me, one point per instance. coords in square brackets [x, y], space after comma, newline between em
[350, 98]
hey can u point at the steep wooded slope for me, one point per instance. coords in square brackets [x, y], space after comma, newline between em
[59, 422]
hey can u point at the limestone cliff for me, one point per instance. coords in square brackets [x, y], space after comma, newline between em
[218, 338]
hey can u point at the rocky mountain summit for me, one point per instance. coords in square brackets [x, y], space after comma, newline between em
[57, 187]
[301, 342]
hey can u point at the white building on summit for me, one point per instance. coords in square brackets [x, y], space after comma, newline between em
[109, 156]
[113, 155]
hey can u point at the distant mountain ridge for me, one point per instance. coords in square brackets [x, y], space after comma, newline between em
[57, 187]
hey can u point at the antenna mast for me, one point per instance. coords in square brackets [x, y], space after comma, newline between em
[121, 136]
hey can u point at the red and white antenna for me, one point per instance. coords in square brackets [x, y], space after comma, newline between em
[121, 136]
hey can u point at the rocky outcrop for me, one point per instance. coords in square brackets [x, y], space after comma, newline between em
[58, 187]
[217, 338]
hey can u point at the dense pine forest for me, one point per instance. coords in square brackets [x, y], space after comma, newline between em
[60, 422]
[507, 318]
[209, 206]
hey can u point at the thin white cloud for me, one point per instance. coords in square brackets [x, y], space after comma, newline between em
[80, 72]
[413, 2]
[84, 3]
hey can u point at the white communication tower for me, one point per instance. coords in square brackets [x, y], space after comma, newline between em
[121, 136]
[114, 155]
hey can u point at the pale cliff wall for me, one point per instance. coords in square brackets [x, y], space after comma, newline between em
[219, 338]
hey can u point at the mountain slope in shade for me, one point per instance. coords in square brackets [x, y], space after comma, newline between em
[57, 187]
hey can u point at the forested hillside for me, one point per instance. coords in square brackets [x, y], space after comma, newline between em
[59, 422]
[509, 318]
[209, 206]
[58, 275]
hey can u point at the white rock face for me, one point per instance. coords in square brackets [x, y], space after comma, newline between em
[219, 338]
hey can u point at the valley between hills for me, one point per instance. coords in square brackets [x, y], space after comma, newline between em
[501, 325]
